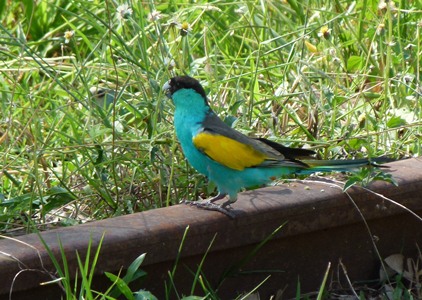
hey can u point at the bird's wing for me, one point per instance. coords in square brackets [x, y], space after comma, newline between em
[234, 150]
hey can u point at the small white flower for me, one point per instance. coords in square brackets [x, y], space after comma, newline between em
[314, 17]
[124, 12]
[185, 28]
[68, 35]
[118, 126]
[170, 63]
[155, 15]
[391, 43]
[408, 78]
[209, 7]
[380, 28]
[382, 5]
[241, 10]
[409, 47]
[282, 89]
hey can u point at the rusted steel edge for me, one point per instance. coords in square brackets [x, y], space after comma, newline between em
[304, 207]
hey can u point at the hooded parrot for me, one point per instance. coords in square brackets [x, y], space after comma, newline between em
[229, 158]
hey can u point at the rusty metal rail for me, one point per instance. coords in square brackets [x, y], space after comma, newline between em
[322, 225]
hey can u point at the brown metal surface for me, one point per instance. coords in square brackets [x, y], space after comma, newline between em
[322, 226]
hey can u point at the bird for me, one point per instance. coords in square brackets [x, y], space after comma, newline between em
[227, 157]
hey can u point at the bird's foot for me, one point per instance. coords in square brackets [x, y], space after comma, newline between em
[208, 205]
[215, 207]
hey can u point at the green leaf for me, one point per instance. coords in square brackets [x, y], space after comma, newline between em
[387, 177]
[133, 271]
[144, 295]
[121, 285]
[396, 121]
[356, 143]
[132, 274]
[354, 63]
[351, 182]
[58, 197]
[2, 6]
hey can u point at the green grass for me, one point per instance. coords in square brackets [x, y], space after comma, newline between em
[342, 77]
[80, 284]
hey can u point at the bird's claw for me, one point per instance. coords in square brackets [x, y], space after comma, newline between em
[207, 205]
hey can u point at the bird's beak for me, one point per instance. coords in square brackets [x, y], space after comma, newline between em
[166, 89]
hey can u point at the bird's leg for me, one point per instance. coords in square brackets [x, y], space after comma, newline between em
[205, 201]
[229, 202]
[218, 197]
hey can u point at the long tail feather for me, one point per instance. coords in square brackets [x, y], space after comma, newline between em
[348, 165]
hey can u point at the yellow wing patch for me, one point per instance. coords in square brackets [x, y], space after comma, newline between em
[228, 152]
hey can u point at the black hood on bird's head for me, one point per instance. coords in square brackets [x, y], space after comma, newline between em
[183, 82]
